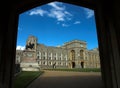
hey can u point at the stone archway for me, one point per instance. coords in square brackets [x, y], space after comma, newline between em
[82, 64]
[72, 64]
[106, 18]
[72, 59]
[72, 55]
[81, 54]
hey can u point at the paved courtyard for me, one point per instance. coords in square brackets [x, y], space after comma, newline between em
[62, 79]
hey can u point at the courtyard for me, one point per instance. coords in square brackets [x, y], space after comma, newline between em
[65, 79]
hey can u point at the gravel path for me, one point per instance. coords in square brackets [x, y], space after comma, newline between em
[62, 79]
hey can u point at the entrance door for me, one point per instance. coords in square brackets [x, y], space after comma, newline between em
[82, 64]
[73, 64]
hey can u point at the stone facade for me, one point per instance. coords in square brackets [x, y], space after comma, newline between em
[72, 54]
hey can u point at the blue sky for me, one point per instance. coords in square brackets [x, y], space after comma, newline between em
[56, 23]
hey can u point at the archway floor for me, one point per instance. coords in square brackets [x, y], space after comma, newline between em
[61, 79]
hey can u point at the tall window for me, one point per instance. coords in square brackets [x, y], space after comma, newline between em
[81, 53]
[72, 55]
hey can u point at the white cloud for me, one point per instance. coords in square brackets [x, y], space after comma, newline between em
[20, 47]
[67, 13]
[56, 6]
[89, 12]
[59, 15]
[65, 25]
[77, 22]
[38, 12]
[59, 12]
[56, 11]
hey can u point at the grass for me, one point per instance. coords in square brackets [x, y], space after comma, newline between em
[23, 79]
[77, 69]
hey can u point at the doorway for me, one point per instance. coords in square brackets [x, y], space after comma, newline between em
[73, 65]
[82, 64]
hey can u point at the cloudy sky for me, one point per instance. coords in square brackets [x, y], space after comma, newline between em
[55, 23]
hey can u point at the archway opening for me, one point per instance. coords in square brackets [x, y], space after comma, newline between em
[82, 64]
[73, 65]
[72, 55]
[46, 56]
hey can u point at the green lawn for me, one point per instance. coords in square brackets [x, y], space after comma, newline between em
[23, 79]
[77, 69]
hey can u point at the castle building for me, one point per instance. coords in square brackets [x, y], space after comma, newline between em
[72, 54]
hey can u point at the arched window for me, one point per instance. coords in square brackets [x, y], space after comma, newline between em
[72, 55]
[81, 53]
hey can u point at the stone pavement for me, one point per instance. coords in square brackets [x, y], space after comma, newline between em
[61, 79]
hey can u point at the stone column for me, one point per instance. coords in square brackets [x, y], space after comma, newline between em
[8, 36]
[109, 44]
